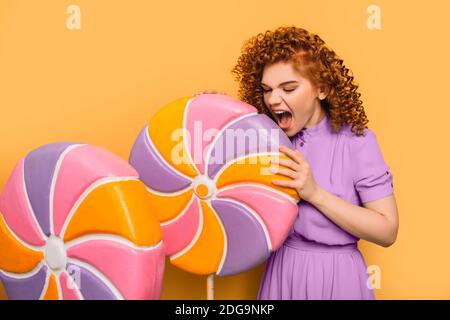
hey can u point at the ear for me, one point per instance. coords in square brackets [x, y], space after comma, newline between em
[322, 93]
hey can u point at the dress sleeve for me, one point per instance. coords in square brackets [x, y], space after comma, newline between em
[372, 178]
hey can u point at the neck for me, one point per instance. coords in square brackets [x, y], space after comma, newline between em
[316, 117]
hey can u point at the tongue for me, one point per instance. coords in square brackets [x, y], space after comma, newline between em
[284, 121]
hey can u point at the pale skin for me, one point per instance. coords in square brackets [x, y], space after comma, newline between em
[287, 90]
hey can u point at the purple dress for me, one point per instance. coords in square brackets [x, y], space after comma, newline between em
[320, 260]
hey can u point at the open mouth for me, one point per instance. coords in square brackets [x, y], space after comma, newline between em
[284, 119]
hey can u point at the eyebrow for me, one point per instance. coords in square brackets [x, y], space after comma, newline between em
[281, 84]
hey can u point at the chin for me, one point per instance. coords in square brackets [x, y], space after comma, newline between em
[290, 133]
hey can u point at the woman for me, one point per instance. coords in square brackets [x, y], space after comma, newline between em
[336, 166]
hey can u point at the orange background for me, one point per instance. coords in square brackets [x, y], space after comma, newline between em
[102, 83]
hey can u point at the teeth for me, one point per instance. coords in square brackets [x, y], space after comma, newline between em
[279, 112]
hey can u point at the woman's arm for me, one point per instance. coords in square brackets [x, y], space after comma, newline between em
[376, 222]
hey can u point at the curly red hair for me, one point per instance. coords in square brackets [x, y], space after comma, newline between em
[314, 60]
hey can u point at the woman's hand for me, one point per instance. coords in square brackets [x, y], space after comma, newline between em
[376, 222]
[209, 92]
[298, 169]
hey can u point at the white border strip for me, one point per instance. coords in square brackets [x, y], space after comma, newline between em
[108, 283]
[185, 130]
[92, 187]
[257, 217]
[110, 238]
[253, 185]
[25, 275]
[46, 284]
[161, 158]
[76, 289]
[225, 236]
[197, 234]
[219, 134]
[179, 215]
[25, 244]
[33, 214]
[250, 155]
[58, 286]
[169, 194]
[54, 179]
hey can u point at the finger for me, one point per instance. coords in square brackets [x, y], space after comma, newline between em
[198, 93]
[285, 172]
[284, 183]
[209, 92]
[288, 163]
[293, 154]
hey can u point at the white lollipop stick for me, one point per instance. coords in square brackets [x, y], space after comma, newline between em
[210, 287]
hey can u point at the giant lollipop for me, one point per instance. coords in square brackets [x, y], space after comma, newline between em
[205, 161]
[76, 223]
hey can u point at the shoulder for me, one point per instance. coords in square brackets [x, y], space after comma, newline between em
[364, 150]
[368, 139]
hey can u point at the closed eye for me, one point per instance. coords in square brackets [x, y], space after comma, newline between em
[285, 90]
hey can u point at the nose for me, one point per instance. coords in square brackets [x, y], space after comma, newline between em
[274, 98]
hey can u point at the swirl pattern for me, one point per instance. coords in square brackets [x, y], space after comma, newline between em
[205, 162]
[76, 223]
